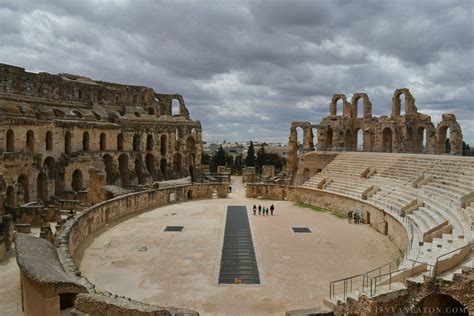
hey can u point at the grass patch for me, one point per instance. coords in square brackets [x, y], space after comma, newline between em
[320, 209]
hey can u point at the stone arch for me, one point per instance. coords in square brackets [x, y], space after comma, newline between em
[409, 107]
[123, 168]
[175, 107]
[120, 142]
[333, 105]
[151, 111]
[24, 189]
[449, 123]
[42, 187]
[163, 168]
[190, 144]
[77, 181]
[139, 169]
[136, 142]
[67, 143]
[163, 144]
[85, 141]
[387, 140]
[177, 164]
[10, 197]
[150, 165]
[10, 141]
[103, 141]
[368, 140]
[441, 304]
[149, 142]
[366, 105]
[49, 141]
[109, 168]
[30, 141]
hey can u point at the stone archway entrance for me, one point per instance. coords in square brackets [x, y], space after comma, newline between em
[440, 304]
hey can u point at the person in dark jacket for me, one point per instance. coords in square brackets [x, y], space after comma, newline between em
[259, 209]
[254, 209]
[272, 208]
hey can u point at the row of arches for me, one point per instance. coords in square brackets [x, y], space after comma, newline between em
[86, 141]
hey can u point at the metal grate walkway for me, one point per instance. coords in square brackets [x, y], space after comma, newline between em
[238, 262]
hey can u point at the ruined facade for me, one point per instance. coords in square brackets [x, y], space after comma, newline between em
[406, 131]
[63, 137]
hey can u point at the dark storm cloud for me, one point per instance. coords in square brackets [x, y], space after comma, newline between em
[247, 68]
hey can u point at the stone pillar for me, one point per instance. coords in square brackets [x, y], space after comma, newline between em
[292, 151]
[308, 139]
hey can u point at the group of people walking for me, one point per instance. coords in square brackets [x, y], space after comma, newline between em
[353, 216]
[263, 210]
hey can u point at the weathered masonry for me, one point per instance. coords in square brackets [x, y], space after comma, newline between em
[63, 137]
[349, 128]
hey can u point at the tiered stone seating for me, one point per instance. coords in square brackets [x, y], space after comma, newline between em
[447, 180]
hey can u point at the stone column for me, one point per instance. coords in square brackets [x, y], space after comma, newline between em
[292, 151]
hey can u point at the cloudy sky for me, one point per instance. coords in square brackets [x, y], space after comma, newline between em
[248, 68]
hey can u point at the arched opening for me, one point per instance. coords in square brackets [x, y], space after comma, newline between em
[76, 183]
[329, 137]
[300, 139]
[85, 141]
[24, 189]
[67, 143]
[177, 165]
[120, 142]
[151, 111]
[10, 201]
[49, 141]
[385, 228]
[175, 107]
[163, 145]
[444, 140]
[49, 167]
[123, 168]
[305, 175]
[441, 304]
[190, 195]
[359, 140]
[315, 138]
[136, 142]
[66, 300]
[339, 107]
[109, 169]
[134, 99]
[421, 140]
[10, 141]
[402, 103]
[368, 140]
[139, 169]
[30, 141]
[150, 165]
[387, 140]
[149, 142]
[358, 110]
[163, 168]
[190, 144]
[79, 94]
[42, 187]
[103, 142]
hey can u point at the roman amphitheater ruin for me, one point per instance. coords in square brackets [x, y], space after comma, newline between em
[106, 210]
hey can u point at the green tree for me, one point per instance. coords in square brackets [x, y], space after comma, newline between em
[205, 159]
[219, 159]
[261, 158]
[250, 159]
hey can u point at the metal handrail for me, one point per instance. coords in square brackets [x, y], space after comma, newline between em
[374, 283]
[469, 244]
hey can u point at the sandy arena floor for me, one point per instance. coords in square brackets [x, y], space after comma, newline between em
[136, 258]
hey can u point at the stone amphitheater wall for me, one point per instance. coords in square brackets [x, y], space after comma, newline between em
[381, 221]
[76, 230]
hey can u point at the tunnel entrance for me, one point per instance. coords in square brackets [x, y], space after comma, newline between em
[441, 304]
